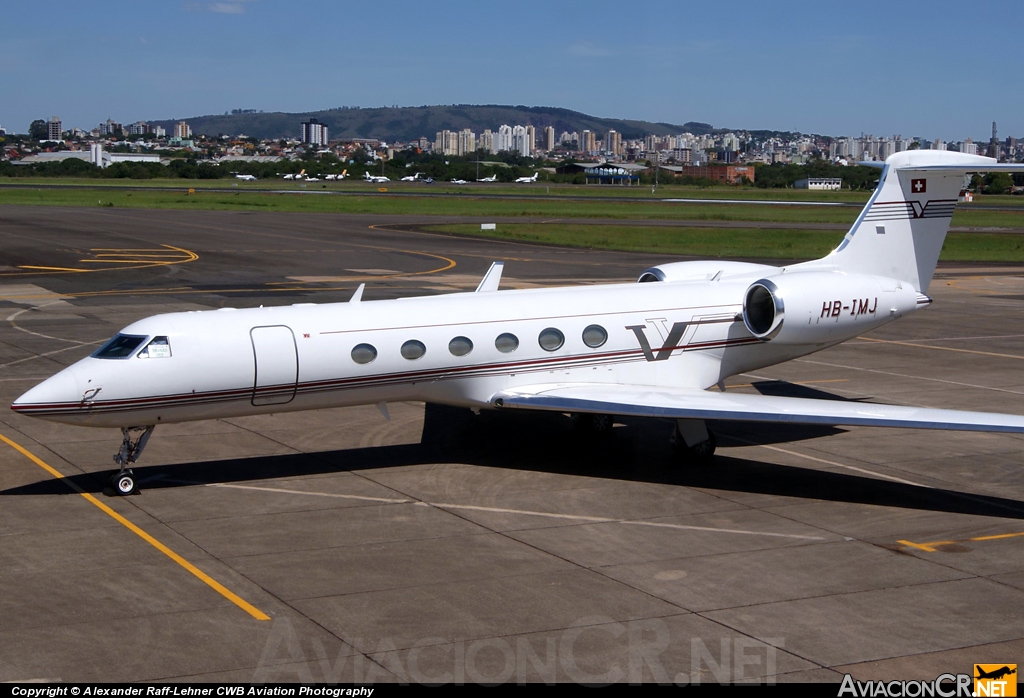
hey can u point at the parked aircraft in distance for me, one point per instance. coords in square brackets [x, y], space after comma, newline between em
[379, 179]
[650, 349]
[300, 175]
[412, 178]
[492, 178]
[245, 177]
[527, 180]
[333, 177]
[459, 181]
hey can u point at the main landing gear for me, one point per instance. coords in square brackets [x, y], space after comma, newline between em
[693, 442]
[135, 438]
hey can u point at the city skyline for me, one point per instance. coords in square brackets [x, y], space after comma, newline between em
[790, 66]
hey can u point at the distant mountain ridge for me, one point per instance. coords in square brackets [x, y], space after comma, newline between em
[410, 123]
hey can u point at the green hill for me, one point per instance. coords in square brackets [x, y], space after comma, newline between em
[408, 123]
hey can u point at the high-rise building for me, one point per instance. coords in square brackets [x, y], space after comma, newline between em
[531, 138]
[182, 130]
[503, 139]
[53, 129]
[613, 142]
[549, 138]
[486, 141]
[138, 128]
[521, 141]
[466, 144]
[314, 133]
[588, 141]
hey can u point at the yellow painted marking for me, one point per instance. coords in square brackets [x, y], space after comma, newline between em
[931, 346]
[920, 546]
[202, 576]
[997, 537]
[53, 268]
[931, 547]
[129, 259]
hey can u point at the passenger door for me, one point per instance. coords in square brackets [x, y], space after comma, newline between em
[277, 365]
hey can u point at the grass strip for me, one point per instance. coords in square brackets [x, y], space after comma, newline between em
[730, 243]
[463, 203]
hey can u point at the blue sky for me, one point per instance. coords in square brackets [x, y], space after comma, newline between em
[933, 69]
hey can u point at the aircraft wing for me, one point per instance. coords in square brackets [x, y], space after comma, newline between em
[651, 401]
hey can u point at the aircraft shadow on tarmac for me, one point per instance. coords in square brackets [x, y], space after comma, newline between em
[547, 442]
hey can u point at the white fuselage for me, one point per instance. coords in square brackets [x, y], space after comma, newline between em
[227, 363]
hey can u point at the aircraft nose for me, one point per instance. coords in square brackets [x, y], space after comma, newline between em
[59, 390]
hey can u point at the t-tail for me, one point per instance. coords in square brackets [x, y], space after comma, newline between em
[900, 232]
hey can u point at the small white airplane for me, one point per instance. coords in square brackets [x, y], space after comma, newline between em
[459, 181]
[645, 349]
[378, 179]
[412, 178]
[492, 178]
[527, 180]
[245, 177]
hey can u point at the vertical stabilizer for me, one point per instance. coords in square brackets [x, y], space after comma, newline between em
[899, 233]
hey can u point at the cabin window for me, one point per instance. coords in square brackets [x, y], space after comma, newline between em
[413, 349]
[363, 353]
[120, 347]
[158, 348]
[594, 336]
[460, 346]
[506, 343]
[551, 339]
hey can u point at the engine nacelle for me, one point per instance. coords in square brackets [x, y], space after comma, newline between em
[823, 307]
[703, 270]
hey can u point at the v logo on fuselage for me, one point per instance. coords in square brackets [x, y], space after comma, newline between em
[674, 335]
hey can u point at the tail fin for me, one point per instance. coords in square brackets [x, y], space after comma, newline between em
[900, 232]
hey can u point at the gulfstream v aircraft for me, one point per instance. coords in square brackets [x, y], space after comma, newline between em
[648, 349]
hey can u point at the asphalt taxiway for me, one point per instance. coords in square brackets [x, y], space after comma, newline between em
[442, 546]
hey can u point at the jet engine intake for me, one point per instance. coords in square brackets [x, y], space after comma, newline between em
[822, 307]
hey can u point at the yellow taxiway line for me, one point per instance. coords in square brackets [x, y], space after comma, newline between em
[932, 546]
[202, 576]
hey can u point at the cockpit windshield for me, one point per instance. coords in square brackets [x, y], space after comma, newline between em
[120, 347]
[158, 348]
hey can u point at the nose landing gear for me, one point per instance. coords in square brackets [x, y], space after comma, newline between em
[135, 439]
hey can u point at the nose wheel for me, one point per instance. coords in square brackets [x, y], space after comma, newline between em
[132, 445]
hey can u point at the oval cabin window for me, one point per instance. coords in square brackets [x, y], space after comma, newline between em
[551, 339]
[506, 343]
[460, 346]
[595, 336]
[413, 349]
[363, 353]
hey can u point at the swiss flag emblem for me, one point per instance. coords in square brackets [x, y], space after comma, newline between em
[919, 186]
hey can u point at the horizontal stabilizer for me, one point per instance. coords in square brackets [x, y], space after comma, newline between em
[701, 404]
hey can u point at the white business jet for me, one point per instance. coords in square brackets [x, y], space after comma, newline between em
[377, 179]
[527, 180]
[492, 178]
[412, 178]
[645, 349]
[246, 177]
